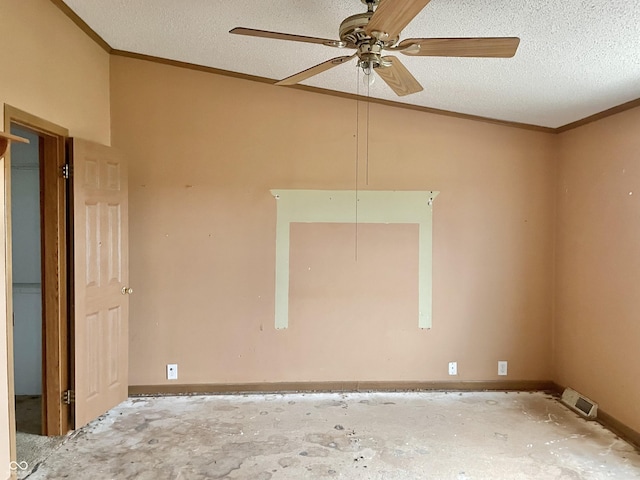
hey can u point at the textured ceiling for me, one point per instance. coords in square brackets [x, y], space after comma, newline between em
[576, 57]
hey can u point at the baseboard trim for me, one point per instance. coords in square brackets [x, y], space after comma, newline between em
[347, 386]
[619, 428]
[611, 423]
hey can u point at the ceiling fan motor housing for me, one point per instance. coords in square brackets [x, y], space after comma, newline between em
[353, 34]
[370, 54]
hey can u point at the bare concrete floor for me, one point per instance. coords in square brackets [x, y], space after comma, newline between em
[373, 436]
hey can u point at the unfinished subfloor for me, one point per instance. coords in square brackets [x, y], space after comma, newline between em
[430, 435]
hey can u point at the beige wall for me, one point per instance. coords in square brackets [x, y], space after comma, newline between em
[51, 69]
[204, 151]
[597, 327]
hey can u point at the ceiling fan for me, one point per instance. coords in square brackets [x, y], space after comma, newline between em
[374, 32]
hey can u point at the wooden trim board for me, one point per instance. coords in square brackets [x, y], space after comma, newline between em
[345, 386]
[333, 93]
[619, 428]
[379, 101]
[90, 32]
[32, 121]
[13, 138]
[53, 229]
[54, 282]
[6, 139]
[600, 115]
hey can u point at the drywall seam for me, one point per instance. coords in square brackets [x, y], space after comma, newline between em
[339, 206]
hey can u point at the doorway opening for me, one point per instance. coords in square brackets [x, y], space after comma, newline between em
[26, 266]
[38, 297]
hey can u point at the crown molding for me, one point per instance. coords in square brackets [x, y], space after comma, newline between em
[600, 115]
[333, 93]
[91, 33]
[435, 111]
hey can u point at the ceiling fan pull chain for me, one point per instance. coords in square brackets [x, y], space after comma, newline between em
[367, 134]
[357, 155]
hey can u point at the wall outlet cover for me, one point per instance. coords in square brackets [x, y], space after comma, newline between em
[502, 367]
[453, 368]
[172, 371]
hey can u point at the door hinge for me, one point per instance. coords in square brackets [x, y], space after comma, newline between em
[66, 171]
[68, 397]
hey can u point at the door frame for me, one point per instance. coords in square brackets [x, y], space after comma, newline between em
[55, 274]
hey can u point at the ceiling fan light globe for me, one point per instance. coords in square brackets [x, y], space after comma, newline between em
[369, 79]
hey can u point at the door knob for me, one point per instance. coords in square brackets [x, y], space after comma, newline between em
[127, 290]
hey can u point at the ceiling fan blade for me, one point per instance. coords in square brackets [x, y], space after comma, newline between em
[310, 72]
[392, 16]
[499, 47]
[398, 77]
[286, 36]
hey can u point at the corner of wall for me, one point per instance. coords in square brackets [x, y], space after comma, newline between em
[557, 159]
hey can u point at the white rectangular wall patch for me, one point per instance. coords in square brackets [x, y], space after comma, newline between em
[339, 206]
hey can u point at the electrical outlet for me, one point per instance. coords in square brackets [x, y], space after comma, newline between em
[172, 371]
[453, 368]
[502, 367]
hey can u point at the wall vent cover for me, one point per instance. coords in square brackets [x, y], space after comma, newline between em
[579, 403]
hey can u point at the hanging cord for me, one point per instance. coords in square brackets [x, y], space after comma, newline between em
[367, 139]
[357, 152]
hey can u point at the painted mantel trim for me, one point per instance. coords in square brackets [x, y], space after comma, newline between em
[353, 206]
